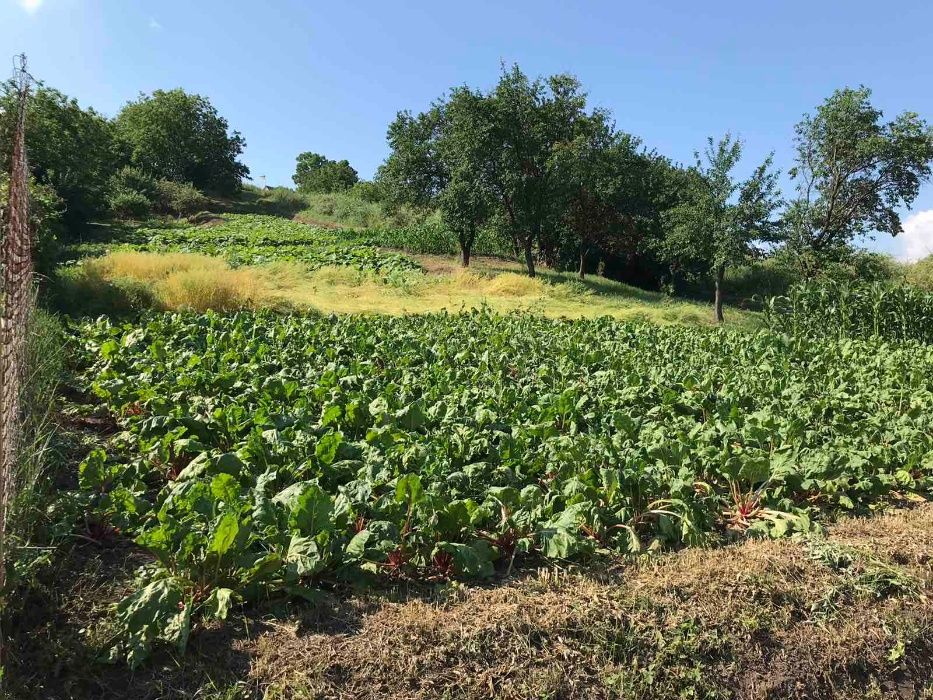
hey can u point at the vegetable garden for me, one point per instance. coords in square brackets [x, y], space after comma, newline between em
[265, 455]
[253, 239]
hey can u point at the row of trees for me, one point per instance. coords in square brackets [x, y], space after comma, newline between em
[81, 156]
[531, 162]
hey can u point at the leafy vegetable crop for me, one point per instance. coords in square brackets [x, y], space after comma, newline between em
[267, 455]
[252, 239]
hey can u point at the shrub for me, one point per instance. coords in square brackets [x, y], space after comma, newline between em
[179, 198]
[920, 273]
[130, 179]
[129, 204]
[368, 191]
[282, 201]
[46, 214]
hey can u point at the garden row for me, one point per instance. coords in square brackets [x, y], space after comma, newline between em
[254, 239]
[269, 455]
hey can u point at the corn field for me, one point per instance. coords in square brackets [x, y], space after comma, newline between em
[877, 310]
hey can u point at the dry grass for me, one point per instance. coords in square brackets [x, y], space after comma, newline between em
[184, 281]
[152, 267]
[744, 622]
[749, 621]
[187, 281]
[342, 290]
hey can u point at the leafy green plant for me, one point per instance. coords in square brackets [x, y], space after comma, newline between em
[253, 239]
[877, 310]
[266, 455]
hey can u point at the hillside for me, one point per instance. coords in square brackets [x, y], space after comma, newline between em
[282, 263]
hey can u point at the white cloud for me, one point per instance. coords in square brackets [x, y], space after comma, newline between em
[30, 5]
[154, 24]
[917, 237]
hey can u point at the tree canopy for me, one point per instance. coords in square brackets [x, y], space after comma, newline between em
[853, 171]
[71, 149]
[315, 173]
[721, 219]
[178, 136]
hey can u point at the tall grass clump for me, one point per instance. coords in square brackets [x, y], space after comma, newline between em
[126, 282]
[30, 481]
[895, 312]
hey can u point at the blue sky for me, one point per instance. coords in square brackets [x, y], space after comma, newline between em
[328, 77]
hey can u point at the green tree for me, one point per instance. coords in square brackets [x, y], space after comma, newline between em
[177, 136]
[530, 117]
[414, 173]
[440, 158]
[466, 147]
[70, 149]
[721, 220]
[853, 172]
[315, 173]
[602, 177]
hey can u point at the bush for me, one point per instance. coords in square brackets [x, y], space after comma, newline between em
[368, 191]
[130, 179]
[179, 198]
[46, 214]
[129, 204]
[920, 273]
[281, 201]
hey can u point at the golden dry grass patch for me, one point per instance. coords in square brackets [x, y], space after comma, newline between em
[187, 281]
[191, 281]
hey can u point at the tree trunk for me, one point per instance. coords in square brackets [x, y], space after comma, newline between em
[581, 272]
[529, 257]
[466, 239]
[717, 304]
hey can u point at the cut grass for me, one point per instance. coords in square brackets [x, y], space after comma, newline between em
[748, 622]
[175, 281]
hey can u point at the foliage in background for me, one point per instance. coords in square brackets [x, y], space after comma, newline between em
[853, 173]
[71, 150]
[920, 273]
[844, 309]
[529, 162]
[176, 136]
[316, 173]
[46, 218]
[265, 454]
[720, 220]
[352, 210]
